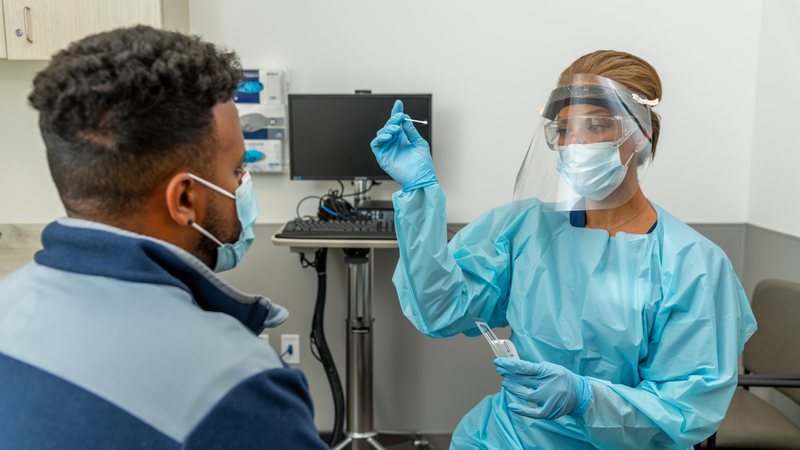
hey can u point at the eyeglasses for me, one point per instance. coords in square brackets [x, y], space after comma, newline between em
[587, 129]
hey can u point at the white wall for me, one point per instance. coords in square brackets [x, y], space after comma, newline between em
[27, 193]
[776, 152]
[489, 65]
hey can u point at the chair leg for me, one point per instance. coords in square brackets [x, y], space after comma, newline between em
[711, 443]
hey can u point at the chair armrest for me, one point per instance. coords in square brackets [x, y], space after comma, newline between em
[790, 380]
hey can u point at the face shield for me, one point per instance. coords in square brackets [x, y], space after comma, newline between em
[590, 150]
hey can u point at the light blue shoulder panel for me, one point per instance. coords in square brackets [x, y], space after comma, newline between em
[145, 348]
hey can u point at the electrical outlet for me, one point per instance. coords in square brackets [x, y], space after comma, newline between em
[290, 348]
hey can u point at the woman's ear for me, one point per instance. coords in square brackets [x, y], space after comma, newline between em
[182, 199]
[640, 140]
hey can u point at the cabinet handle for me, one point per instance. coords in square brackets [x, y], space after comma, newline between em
[27, 30]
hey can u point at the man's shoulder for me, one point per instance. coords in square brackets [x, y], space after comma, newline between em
[145, 348]
[274, 405]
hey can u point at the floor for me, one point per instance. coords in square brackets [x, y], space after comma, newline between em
[406, 441]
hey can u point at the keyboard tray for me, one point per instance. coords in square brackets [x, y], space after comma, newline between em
[338, 229]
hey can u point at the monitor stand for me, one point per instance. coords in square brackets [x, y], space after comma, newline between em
[361, 191]
[360, 428]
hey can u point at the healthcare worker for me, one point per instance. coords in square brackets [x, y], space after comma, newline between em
[627, 322]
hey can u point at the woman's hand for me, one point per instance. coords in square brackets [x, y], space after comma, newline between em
[402, 152]
[555, 389]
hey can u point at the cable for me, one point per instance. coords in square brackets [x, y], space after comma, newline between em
[297, 210]
[334, 204]
[319, 346]
[373, 183]
[306, 263]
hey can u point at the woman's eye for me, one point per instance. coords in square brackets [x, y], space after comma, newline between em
[597, 126]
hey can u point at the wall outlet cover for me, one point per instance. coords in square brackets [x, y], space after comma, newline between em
[292, 357]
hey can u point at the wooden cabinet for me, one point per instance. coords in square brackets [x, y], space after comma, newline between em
[2, 34]
[35, 29]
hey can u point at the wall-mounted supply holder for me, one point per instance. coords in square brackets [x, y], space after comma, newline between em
[261, 103]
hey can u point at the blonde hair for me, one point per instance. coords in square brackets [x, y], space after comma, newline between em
[630, 71]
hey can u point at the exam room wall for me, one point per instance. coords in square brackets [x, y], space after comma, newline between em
[27, 193]
[772, 244]
[776, 153]
[489, 65]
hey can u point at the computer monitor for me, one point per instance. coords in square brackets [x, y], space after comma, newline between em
[329, 135]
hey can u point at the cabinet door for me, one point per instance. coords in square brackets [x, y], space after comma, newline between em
[2, 34]
[46, 26]
[115, 14]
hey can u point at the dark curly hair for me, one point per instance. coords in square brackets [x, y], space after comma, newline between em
[122, 111]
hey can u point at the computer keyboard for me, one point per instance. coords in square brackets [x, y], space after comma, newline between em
[337, 229]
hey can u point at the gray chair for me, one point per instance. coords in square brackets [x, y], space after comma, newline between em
[771, 358]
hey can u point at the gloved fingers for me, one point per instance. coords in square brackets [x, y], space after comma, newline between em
[391, 129]
[524, 380]
[395, 119]
[527, 411]
[543, 397]
[519, 366]
[411, 132]
[518, 390]
[381, 140]
[398, 107]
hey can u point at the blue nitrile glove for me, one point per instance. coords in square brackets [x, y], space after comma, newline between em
[402, 152]
[554, 388]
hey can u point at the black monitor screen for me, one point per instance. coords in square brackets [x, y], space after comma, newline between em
[329, 135]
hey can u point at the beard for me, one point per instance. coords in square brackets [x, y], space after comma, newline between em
[217, 226]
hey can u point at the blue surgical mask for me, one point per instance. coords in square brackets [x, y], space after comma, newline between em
[228, 255]
[592, 170]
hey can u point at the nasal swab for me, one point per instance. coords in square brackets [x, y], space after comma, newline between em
[424, 122]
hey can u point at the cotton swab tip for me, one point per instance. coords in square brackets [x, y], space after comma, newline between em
[424, 122]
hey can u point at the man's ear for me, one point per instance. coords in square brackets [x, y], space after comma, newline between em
[182, 199]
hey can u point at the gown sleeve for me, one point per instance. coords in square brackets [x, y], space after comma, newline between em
[691, 369]
[443, 287]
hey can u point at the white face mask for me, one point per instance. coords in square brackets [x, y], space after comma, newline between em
[592, 170]
[229, 255]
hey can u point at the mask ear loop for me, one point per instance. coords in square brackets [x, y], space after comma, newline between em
[205, 233]
[633, 153]
[641, 101]
[212, 186]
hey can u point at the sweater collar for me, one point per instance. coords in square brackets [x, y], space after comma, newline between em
[92, 248]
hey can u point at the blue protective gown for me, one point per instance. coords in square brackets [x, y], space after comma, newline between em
[656, 321]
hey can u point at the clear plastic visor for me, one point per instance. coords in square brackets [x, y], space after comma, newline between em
[587, 129]
[591, 149]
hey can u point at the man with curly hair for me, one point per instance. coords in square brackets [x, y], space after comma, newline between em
[120, 334]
